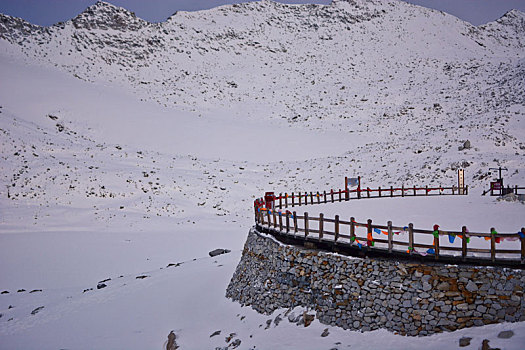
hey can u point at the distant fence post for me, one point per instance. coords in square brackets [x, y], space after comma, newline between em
[436, 246]
[391, 191]
[332, 195]
[268, 216]
[280, 222]
[299, 198]
[321, 217]
[369, 238]
[352, 229]
[410, 238]
[286, 200]
[287, 222]
[295, 227]
[274, 218]
[389, 226]
[492, 245]
[336, 228]
[306, 230]
[280, 200]
[324, 193]
[293, 200]
[402, 190]
[464, 243]
[522, 239]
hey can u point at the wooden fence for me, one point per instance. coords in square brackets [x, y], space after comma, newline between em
[349, 236]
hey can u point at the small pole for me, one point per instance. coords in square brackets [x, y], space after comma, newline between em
[280, 200]
[368, 192]
[411, 238]
[293, 200]
[286, 200]
[391, 191]
[324, 193]
[352, 228]
[492, 245]
[464, 243]
[332, 195]
[379, 191]
[436, 246]
[346, 188]
[359, 187]
[299, 198]
[287, 222]
[280, 222]
[295, 227]
[318, 198]
[522, 239]
[269, 220]
[339, 195]
[311, 198]
[321, 216]
[306, 225]
[274, 219]
[414, 190]
[426, 190]
[369, 237]
[389, 225]
[403, 190]
[336, 228]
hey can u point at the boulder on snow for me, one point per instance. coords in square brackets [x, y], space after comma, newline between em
[466, 145]
[218, 251]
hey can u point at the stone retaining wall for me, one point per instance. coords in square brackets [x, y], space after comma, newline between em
[367, 294]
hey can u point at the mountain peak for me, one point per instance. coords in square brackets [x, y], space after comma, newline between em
[103, 15]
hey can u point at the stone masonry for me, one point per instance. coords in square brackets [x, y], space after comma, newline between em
[367, 294]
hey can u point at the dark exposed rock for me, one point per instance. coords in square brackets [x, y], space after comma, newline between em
[219, 251]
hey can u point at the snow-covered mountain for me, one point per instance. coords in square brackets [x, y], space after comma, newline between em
[127, 145]
[392, 69]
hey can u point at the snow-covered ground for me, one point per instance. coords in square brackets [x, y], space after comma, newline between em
[113, 168]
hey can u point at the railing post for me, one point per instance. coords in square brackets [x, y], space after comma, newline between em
[339, 195]
[492, 245]
[464, 243]
[436, 246]
[410, 238]
[414, 191]
[286, 200]
[402, 190]
[522, 239]
[391, 191]
[369, 238]
[352, 229]
[280, 200]
[268, 215]
[426, 190]
[293, 200]
[306, 230]
[280, 222]
[379, 191]
[299, 198]
[368, 192]
[332, 195]
[274, 219]
[324, 192]
[389, 227]
[318, 198]
[311, 198]
[321, 217]
[287, 222]
[336, 228]
[295, 227]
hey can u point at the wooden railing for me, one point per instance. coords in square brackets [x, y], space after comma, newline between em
[306, 198]
[348, 235]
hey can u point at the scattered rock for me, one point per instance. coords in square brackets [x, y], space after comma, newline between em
[172, 345]
[215, 333]
[37, 310]
[325, 333]
[141, 277]
[465, 341]
[101, 285]
[505, 334]
[5, 292]
[35, 291]
[219, 251]
[485, 345]
[466, 145]
[87, 290]
[230, 337]
[308, 319]
[235, 344]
